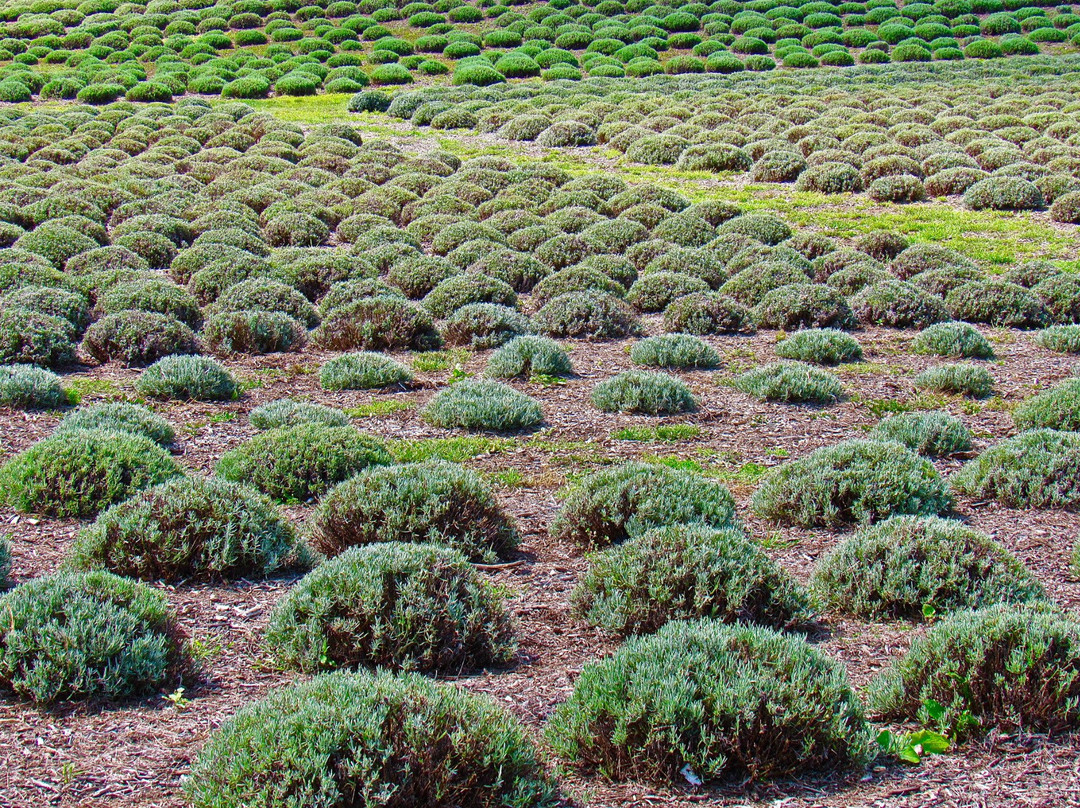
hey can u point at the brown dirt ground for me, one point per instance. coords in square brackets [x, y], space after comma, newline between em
[135, 754]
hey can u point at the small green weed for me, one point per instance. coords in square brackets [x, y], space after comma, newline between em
[669, 433]
[386, 406]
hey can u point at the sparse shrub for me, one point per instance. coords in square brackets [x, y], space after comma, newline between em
[187, 378]
[1057, 408]
[137, 338]
[825, 346]
[953, 339]
[31, 338]
[615, 504]
[484, 325]
[483, 405]
[377, 323]
[897, 304]
[526, 356]
[392, 606]
[119, 416]
[804, 305]
[683, 572]
[851, 482]
[707, 313]
[82, 472]
[379, 734]
[929, 433]
[77, 636]
[791, 383]
[962, 378]
[1060, 338]
[435, 502]
[997, 303]
[1005, 666]
[363, 371]
[1035, 469]
[585, 315]
[749, 702]
[674, 351]
[25, 387]
[899, 567]
[189, 528]
[638, 391]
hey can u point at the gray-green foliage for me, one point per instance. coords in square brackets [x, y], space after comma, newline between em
[1060, 338]
[75, 636]
[929, 433]
[483, 405]
[27, 387]
[954, 339]
[613, 505]
[189, 528]
[640, 391]
[825, 346]
[287, 412]
[1007, 666]
[431, 502]
[1035, 469]
[1057, 408]
[962, 378]
[680, 572]
[527, 356]
[674, 351]
[899, 567]
[791, 383]
[719, 700]
[121, 417]
[392, 605]
[342, 737]
[851, 482]
[5, 562]
[365, 370]
[187, 378]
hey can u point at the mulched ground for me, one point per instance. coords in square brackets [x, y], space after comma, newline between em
[135, 754]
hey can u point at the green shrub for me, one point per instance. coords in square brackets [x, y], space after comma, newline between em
[286, 412]
[674, 351]
[434, 502]
[484, 325]
[76, 636]
[749, 286]
[1060, 338]
[897, 304]
[900, 188]
[187, 378]
[483, 405]
[624, 502]
[682, 572]
[1004, 193]
[1057, 408]
[253, 332]
[392, 606]
[297, 463]
[119, 416]
[655, 291]
[713, 700]
[82, 472]
[907, 564]
[1061, 296]
[830, 178]
[31, 338]
[851, 482]
[340, 735]
[377, 323]
[804, 305]
[523, 357]
[638, 391]
[189, 528]
[708, 313]
[1035, 469]
[791, 383]
[25, 387]
[1066, 208]
[962, 378]
[825, 346]
[1006, 666]
[390, 74]
[137, 338]
[952, 339]
[67, 305]
[363, 371]
[928, 433]
[264, 294]
[997, 303]
[586, 315]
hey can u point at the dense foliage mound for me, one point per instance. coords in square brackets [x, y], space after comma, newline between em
[26, 387]
[681, 572]
[432, 502]
[904, 565]
[854, 481]
[1036, 469]
[928, 433]
[189, 528]
[296, 463]
[483, 405]
[392, 605]
[825, 346]
[119, 416]
[75, 636]
[952, 339]
[791, 383]
[287, 412]
[363, 371]
[339, 736]
[1005, 666]
[83, 472]
[624, 502]
[674, 351]
[715, 700]
[526, 356]
[961, 378]
[639, 391]
[187, 378]
[1057, 408]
